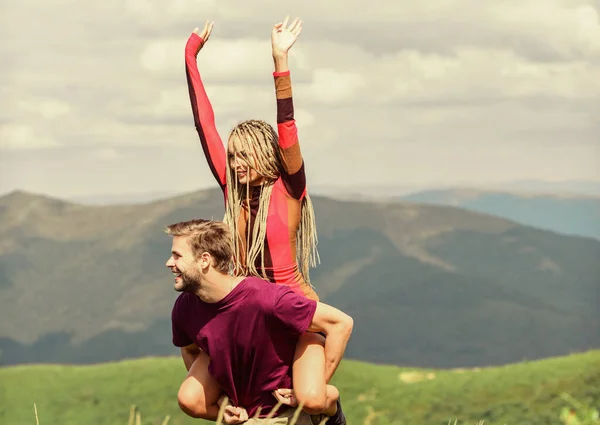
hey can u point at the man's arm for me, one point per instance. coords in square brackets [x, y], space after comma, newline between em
[189, 354]
[337, 326]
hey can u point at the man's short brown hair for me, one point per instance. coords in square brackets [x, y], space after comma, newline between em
[209, 236]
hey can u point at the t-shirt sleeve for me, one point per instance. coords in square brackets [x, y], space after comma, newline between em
[295, 312]
[180, 337]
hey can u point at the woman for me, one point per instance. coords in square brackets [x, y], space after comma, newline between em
[262, 176]
[267, 207]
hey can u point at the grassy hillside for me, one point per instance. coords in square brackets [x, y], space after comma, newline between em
[428, 286]
[101, 394]
[568, 214]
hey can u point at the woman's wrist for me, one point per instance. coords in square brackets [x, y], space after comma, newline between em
[281, 62]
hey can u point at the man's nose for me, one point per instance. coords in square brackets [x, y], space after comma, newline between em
[170, 262]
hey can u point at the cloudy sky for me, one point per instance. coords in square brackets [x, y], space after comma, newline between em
[94, 96]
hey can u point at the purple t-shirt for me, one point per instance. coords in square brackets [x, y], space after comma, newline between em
[250, 337]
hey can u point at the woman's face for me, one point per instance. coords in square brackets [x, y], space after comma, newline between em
[239, 161]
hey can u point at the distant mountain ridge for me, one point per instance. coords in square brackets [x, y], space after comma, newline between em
[385, 192]
[430, 286]
[566, 213]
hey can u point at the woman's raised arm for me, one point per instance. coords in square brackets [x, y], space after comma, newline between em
[204, 117]
[283, 38]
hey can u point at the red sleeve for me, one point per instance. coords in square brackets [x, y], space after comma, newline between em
[204, 117]
[293, 175]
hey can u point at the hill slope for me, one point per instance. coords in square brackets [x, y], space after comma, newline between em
[427, 285]
[572, 215]
[514, 394]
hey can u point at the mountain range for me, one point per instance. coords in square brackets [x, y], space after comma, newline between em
[429, 286]
[571, 214]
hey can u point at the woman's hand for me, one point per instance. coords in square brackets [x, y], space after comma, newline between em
[234, 415]
[286, 396]
[283, 36]
[205, 34]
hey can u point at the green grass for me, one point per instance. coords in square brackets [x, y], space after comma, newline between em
[523, 393]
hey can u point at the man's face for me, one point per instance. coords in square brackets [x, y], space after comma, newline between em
[184, 266]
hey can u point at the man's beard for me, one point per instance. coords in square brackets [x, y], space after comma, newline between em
[190, 282]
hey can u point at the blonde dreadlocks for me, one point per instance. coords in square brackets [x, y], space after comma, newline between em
[259, 143]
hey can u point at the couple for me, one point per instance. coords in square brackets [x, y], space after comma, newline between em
[248, 322]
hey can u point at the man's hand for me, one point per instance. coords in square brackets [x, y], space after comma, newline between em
[286, 396]
[234, 415]
[284, 37]
[205, 34]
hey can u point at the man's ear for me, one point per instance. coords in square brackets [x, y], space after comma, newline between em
[205, 260]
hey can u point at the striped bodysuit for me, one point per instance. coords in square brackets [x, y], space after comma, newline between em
[289, 190]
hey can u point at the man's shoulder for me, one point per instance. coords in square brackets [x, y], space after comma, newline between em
[184, 297]
[262, 291]
[256, 282]
[262, 286]
[182, 302]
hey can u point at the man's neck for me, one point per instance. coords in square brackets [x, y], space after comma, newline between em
[217, 287]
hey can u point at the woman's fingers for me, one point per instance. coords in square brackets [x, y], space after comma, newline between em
[298, 29]
[210, 28]
[294, 24]
[205, 34]
[276, 28]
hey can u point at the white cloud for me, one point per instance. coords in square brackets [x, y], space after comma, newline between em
[442, 85]
[23, 137]
[331, 86]
[231, 60]
[47, 108]
[154, 9]
[304, 118]
[492, 74]
[106, 154]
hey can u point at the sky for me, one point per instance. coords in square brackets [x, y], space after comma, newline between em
[94, 98]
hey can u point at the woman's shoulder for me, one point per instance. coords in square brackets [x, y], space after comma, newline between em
[280, 189]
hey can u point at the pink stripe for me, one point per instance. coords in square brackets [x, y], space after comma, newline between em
[288, 134]
[278, 238]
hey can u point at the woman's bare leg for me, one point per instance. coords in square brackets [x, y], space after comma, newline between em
[310, 388]
[200, 392]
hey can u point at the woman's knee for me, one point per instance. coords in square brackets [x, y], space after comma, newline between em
[309, 373]
[313, 400]
[190, 400]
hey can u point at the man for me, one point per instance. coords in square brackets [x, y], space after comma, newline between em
[238, 334]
